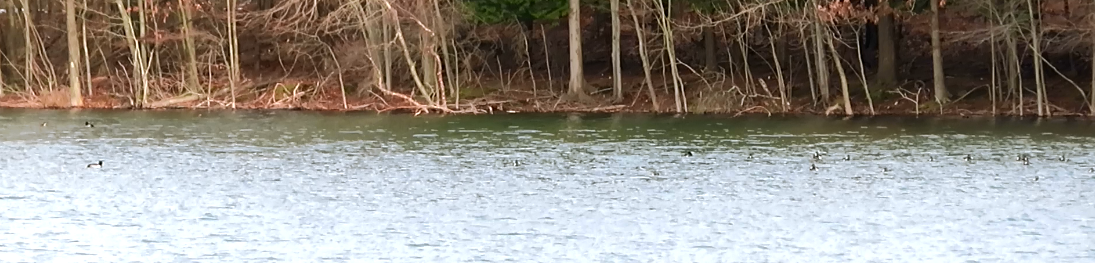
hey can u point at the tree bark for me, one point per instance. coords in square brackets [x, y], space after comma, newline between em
[617, 81]
[843, 80]
[428, 51]
[28, 48]
[886, 76]
[710, 63]
[191, 75]
[577, 89]
[1036, 49]
[643, 57]
[941, 94]
[822, 64]
[74, 97]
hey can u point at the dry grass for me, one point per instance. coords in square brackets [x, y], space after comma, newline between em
[52, 99]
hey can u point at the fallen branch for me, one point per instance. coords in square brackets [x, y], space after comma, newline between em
[751, 108]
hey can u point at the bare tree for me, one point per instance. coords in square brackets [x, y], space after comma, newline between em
[941, 94]
[74, 98]
[577, 89]
[617, 79]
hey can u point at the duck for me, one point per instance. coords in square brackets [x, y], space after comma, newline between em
[1091, 170]
[44, 124]
[813, 167]
[931, 158]
[817, 156]
[968, 158]
[88, 124]
[886, 170]
[96, 165]
[1062, 158]
[1019, 157]
[1035, 178]
[750, 157]
[688, 153]
[847, 157]
[1026, 161]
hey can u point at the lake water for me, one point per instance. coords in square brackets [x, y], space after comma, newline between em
[195, 186]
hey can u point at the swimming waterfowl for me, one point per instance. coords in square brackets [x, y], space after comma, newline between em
[1062, 158]
[931, 158]
[817, 156]
[88, 124]
[1035, 178]
[44, 124]
[847, 157]
[1026, 161]
[96, 165]
[1091, 170]
[688, 153]
[813, 167]
[750, 157]
[886, 170]
[1019, 157]
[968, 158]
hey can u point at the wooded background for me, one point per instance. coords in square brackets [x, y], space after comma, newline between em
[443, 55]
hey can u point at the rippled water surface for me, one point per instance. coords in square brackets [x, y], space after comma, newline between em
[310, 187]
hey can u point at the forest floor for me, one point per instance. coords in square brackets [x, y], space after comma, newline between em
[704, 95]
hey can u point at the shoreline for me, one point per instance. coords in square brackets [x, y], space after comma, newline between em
[957, 110]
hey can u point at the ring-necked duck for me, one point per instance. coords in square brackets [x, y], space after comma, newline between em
[96, 165]
[688, 153]
[88, 124]
[968, 158]
[813, 167]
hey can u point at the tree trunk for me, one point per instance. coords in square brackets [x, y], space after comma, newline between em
[5, 34]
[1036, 49]
[643, 56]
[428, 51]
[28, 48]
[710, 65]
[886, 76]
[191, 66]
[233, 51]
[617, 81]
[822, 64]
[74, 98]
[941, 94]
[577, 89]
[1091, 105]
[1012, 61]
[843, 80]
